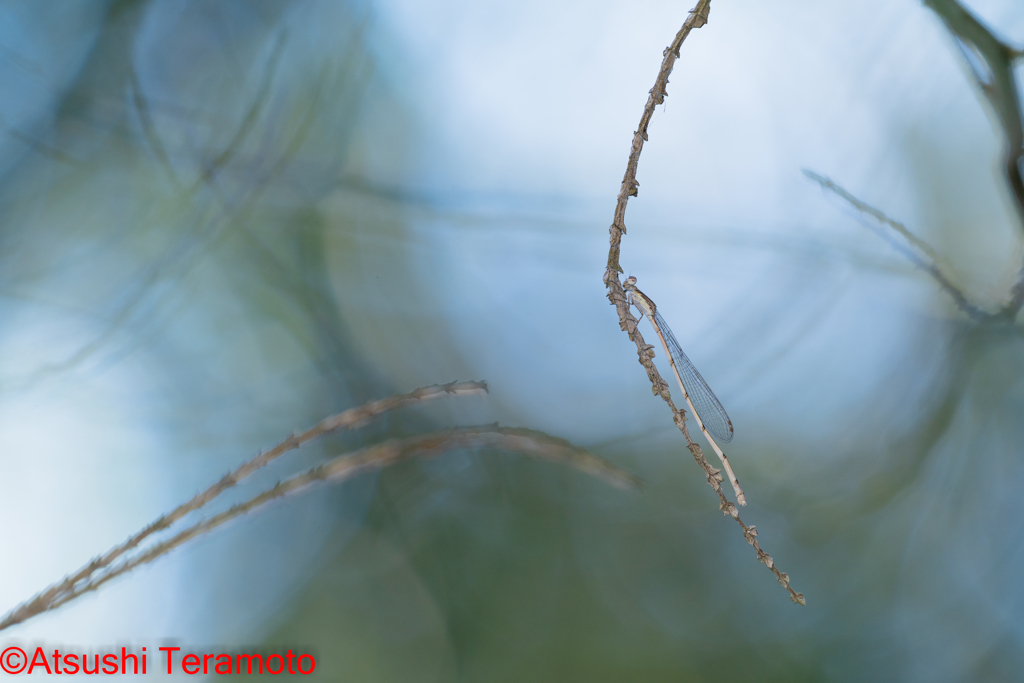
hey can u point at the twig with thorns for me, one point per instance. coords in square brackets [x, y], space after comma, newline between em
[697, 18]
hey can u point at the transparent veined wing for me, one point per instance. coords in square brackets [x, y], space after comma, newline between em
[707, 405]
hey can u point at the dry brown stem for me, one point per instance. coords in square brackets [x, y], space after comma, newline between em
[697, 17]
[528, 442]
[346, 420]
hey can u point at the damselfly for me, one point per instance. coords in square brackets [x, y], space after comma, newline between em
[711, 417]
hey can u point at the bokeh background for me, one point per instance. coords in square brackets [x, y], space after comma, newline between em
[224, 221]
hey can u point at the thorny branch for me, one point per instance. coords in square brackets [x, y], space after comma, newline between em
[697, 18]
[528, 442]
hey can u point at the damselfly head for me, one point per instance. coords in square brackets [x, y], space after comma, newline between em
[630, 282]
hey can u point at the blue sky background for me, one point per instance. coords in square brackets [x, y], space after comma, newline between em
[224, 222]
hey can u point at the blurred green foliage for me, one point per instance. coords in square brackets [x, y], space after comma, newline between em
[217, 196]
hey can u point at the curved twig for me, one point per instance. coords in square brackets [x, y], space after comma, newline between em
[996, 78]
[348, 419]
[528, 442]
[697, 17]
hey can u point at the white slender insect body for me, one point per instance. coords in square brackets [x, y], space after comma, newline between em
[711, 417]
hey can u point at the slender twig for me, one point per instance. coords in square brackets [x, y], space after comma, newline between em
[346, 420]
[863, 207]
[697, 17]
[344, 467]
[998, 83]
[928, 260]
